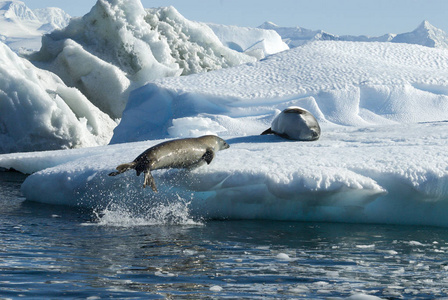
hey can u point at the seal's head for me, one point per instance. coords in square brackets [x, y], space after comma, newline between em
[216, 142]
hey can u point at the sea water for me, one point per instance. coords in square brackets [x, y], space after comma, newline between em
[61, 252]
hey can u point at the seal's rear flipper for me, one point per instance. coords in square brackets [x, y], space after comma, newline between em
[208, 156]
[123, 168]
[149, 180]
[267, 131]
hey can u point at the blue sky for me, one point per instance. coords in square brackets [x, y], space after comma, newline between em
[369, 17]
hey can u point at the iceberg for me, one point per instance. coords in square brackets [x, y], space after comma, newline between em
[96, 66]
[384, 174]
[39, 112]
[119, 46]
[381, 158]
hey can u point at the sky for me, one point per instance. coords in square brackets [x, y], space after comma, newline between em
[341, 17]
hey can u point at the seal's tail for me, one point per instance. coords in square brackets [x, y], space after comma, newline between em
[123, 168]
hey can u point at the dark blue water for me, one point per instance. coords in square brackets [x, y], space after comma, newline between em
[61, 252]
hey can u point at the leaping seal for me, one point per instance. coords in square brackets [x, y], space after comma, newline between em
[295, 123]
[181, 153]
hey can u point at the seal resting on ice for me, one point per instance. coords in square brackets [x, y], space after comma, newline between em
[180, 153]
[295, 123]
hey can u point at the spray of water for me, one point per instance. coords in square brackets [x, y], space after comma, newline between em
[174, 212]
[124, 203]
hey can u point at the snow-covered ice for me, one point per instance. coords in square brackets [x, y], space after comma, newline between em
[344, 83]
[385, 174]
[96, 61]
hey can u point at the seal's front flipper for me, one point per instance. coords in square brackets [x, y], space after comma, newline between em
[267, 131]
[208, 156]
[149, 180]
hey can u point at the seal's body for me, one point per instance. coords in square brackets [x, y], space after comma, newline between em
[181, 153]
[295, 123]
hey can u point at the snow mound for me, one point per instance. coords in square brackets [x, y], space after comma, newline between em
[22, 28]
[39, 112]
[253, 41]
[342, 83]
[132, 46]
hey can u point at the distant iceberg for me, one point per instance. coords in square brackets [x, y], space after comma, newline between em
[22, 28]
[425, 35]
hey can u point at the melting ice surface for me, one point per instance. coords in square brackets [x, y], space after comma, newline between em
[381, 158]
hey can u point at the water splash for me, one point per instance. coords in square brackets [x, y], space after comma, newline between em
[174, 212]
